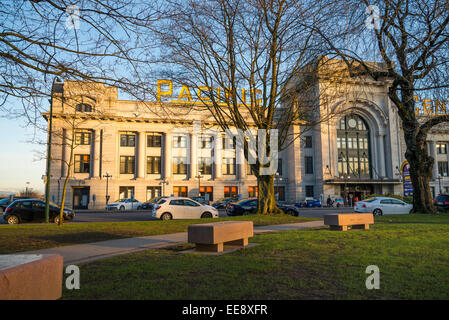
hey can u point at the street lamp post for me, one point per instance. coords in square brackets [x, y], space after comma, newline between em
[399, 174]
[345, 177]
[199, 182]
[276, 196]
[107, 176]
[47, 187]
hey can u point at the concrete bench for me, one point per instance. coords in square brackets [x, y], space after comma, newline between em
[341, 221]
[212, 236]
[30, 276]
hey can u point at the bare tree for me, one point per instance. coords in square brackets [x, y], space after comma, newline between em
[411, 39]
[244, 61]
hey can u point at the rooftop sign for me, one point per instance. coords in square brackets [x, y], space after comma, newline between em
[200, 94]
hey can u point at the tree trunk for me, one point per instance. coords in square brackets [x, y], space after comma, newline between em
[266, 201]
[421, 165]
[69, 168]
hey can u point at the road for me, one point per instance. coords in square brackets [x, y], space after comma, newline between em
[82, 217]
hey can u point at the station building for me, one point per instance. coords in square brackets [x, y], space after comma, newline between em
[138, 149]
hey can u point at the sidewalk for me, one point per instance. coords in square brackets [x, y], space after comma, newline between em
[88, 252]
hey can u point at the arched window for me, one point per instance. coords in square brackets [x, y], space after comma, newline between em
[353, 147]
[83, 107]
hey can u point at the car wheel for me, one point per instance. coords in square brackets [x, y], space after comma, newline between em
[122, 208]
[166, 216]
[291, 212]
[56, 219]
[12, 219]
[377, 212]
[206, 215]
[139, 208]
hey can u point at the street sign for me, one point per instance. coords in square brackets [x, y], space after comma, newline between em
[406, 179]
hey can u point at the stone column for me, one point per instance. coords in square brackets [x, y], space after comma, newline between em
[240, 159]
[193, 154]
[96, 154]
[381, 154]
[217, 156]
[433, 153]
[141, 159]
[167, 155]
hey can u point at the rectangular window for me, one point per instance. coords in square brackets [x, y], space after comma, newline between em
[441, 148]
[443, 168]
[205, 165]
[209, 191]
[309, 165]
[180, 191]
[230, 192]
[179, 165]
[127, 164]
[179, 142]
[205, 142]
[126, 192]
[127, 140]
[153, 164]
[309, 191]
[82, 163]
[154, 140]
[308, 142]
[280, 193]
[82, 138]
[228, 166]
[231, 142]
[249, 169]
[153, 192]
[252, 192]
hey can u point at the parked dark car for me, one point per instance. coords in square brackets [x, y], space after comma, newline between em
[441, 202]
[289, 209]
[242, 207]
[28, 210]
[200, 200]
[222, 204]
[149, 205]
[5, 202]
[249, 206]
[309, 203]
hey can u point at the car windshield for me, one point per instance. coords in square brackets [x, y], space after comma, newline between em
[122, 200]
[369, 200]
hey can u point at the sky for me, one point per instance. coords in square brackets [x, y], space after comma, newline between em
[19, 162]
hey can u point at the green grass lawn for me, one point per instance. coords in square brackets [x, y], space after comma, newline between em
[39, 236]
[411, 251]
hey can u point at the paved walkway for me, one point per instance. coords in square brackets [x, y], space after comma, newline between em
[99, 250]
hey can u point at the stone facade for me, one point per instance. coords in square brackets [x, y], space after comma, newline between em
[118, 141]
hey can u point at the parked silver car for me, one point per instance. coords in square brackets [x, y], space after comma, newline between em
[182, 208]
[379, 206]
[124, 204]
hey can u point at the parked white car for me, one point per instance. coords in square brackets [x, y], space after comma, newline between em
[379, 206]
[182, 208]
[124, 204]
